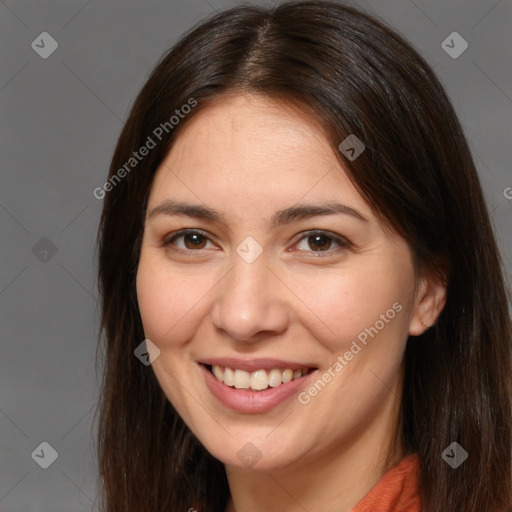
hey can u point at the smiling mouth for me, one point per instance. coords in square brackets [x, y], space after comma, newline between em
[259, 380]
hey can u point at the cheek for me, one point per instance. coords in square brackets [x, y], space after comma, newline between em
[169, 304]
[348, 302]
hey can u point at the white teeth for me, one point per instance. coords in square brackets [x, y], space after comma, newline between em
[288, 375]
[258, 380]
[242, 379]
[217, 372]
[274, 378]
[229, 376]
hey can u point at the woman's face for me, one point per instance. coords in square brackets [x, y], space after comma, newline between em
[239, 269]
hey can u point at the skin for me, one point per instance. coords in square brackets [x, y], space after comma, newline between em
[248, 157]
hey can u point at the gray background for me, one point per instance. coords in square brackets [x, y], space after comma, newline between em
[61, 117]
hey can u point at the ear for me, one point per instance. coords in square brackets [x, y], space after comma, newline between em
[429, 301]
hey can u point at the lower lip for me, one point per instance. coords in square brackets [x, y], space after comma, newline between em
[246, 401]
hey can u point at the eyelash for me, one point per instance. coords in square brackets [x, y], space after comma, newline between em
[342, 242]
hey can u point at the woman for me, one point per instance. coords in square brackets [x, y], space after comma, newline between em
[295, 245]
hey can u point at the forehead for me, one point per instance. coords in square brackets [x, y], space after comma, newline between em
[246, 125]
[254, 148]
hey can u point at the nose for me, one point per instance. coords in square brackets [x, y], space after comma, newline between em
[250, 303]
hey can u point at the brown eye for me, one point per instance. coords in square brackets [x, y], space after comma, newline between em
[319, 242]
[322, 242]
[194, 241]
[191, 240]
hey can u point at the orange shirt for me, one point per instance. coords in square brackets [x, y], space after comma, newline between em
[397, 491]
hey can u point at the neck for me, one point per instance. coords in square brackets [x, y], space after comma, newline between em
[334, 480]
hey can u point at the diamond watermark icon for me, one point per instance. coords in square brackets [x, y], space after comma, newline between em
[249, 249]
[147, 352]
[44, 249]
[454, 455]
[352, 147]
[249, 455]
[45, 455]
[454, 45]
[44, 45]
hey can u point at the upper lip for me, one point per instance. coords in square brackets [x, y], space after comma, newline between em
[251, 365]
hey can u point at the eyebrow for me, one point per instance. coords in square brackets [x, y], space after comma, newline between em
[281, 217]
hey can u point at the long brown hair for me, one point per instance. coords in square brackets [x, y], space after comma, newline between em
[355, 76]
